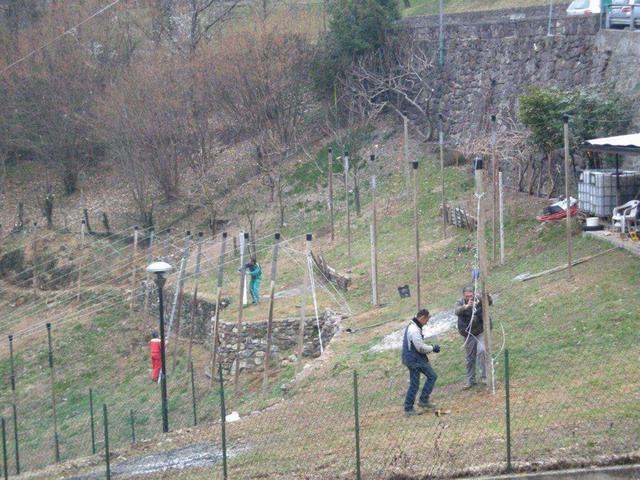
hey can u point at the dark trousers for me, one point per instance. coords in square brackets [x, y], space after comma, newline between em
[421, 367]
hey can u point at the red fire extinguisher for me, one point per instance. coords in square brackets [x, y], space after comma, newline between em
[156, 356]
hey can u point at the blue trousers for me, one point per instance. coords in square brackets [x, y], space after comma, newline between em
[254, 288]
[421, 367]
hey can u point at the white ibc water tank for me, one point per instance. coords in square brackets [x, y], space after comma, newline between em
[597, 190]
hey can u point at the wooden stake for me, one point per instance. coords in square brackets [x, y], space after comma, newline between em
[243, 274]
[501, 198]
[346, 200]
[303, 303]
[148, 278]
[565, 120]
[216, 318]
[80, 259]
[407, 170]
[375, 301]
[330, 179]
[194, 300]
[177, 307]
[444, 199]
[272, 290]
[416, 218]
[34, 254]
[494, 163]
[134, 258]
[482, 255]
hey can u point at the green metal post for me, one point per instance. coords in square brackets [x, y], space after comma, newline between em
[357, 423]
[133, 426]
[56, 440]
[193, 396]
[14, 406]
[507, 408]
[4, 451]
[223, 415]
[93, 429]
[106, 440]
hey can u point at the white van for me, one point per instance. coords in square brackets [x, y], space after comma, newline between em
[584, 7]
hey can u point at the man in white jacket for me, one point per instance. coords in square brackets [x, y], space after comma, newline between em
[414, 357]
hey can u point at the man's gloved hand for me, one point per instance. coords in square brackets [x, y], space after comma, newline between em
[436, 349]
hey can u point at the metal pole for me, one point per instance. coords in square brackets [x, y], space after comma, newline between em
[330, 178]
[243, 272]
[106, 440]
[134, 257]
[160, 281]
[53, 396]
[507, 398]
[193, 395]
[272, 290]
[14, 406]
[501, 196]
[223, 423]
[5, 467]
[346, 200]
[303, 303]
[632, 19]
[565, 120]
[93, 430]
[482, 255]
[494, 164]
[177, 295]
[375, 301]
[417, 229]
[550, 16]
[444, 194]
[357, 423]
[216, 318]
[133, 426]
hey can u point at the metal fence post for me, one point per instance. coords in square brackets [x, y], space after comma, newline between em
[507, 399]
[93, 430]
[4, 451]
[14, 406]
[133, 426]
[106, 440]
[53, 396]
[193, 395]
[357, 423]
[223, 415]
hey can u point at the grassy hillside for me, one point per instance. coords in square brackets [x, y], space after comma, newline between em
[573, 348]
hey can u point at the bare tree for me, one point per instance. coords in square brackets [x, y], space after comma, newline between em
[261, 85]
[395, 78]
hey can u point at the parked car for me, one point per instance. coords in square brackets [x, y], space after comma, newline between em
[584, 7]
[620, 15]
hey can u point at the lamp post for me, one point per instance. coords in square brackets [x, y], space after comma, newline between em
[160, 269]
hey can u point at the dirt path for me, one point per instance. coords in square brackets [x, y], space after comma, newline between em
[197, 455]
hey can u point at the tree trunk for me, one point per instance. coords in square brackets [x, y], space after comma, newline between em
[552, 180]
[356, 193]
[105, 223]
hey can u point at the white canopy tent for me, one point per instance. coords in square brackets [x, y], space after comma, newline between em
[621, 144]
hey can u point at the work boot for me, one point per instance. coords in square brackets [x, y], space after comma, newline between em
[411, 413]
[469, 386]
[427, 405]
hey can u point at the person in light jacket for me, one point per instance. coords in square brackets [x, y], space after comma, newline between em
[471, 328]
[414, 357]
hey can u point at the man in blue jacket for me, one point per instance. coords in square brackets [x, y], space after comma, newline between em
[414, 357]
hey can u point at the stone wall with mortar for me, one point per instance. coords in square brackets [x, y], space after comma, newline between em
[489, 63]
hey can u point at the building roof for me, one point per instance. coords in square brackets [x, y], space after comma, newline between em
[629, 144]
